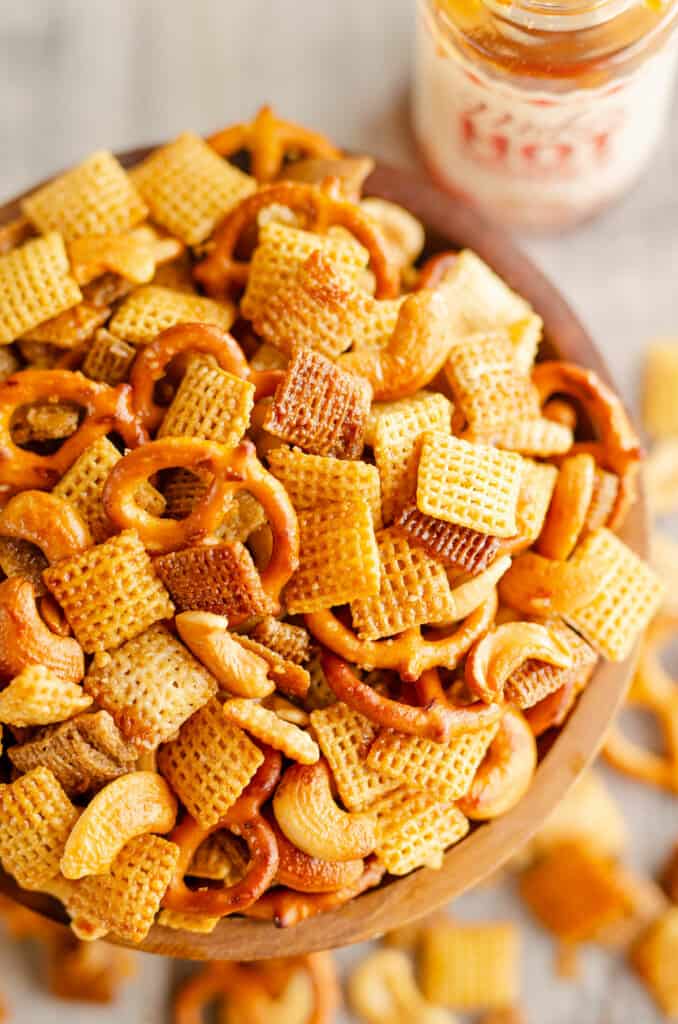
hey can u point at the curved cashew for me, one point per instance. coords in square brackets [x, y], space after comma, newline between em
[383, 990]
[130, 806]
[238, 670]
[416, 351]
[26, 640]
[505, 772]
[49, 522]
[494, 658]
[309, 817]
[298, 871]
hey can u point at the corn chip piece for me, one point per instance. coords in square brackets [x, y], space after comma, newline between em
[282, 250]
[395, 439]
[456, 547]
[575, 893]
[36, 818]
[654, 958]
[83, 485]
[189, 188]
[150, 686]
[152, 309]
[617, 615]
[471, 966]
[446, 769]
[209, 764]
[218, 578]
[37, 697]
[413, 590]
[414, 830]
[125, 901]
[94, 198]
[269, 728]
[209, 403]
[345, 737]
[109, 593]
[469, 484]
[660, 414]
[293, 643]
[488, 389]
[286, 675]
[338, 558]
[108, 358]
[82, 754]
[72, 328]
[319, 407]
[312, 480]
[35, 285]
[201, 924]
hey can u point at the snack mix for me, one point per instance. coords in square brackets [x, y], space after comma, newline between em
[303, 552]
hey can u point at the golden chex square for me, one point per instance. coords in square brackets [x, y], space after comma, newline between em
[35, 285]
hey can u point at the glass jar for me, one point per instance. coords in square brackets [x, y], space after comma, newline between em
[542, 111]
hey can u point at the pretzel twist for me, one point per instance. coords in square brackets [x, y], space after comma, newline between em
[152, 362]
[106, 409]
[320, 208]
[233, 470]
[410, 653]
[244, 819]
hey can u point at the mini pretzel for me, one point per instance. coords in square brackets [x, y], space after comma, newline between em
[437, 719]
[568, 511]
[25, 639]
[152, 363]
[287, 908]
[233, 470]
[321, 209]
[269, 139]
[245, 820]
[106, 409]
[411, 653]
[435, 269]
[617, 447]
[49, 522]
[499, 653]
[505, 772]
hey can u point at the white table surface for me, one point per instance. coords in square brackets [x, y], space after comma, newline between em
[79, 74]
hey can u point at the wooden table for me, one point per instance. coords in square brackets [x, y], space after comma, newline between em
[78, 74]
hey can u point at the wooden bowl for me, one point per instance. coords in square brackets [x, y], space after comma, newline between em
[396, 902]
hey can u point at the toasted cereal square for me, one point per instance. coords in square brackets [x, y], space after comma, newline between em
[108, 358]
[655, 957]
[83, 753]
[481, 300]
[471, 966]
[152, 309]
[540, 438]
[209, 403]
[83, 485]
[621, 610]
[574, 892]
[455, 547]
[395, 439]
[36, 818]
[72, 328]
[536, 490]
[338, 557]
[319, 695]
[293, 643]
[603, 499]
[345, 737]
[201, 924]
[413, 590]
[488, 390]
[209, 764]
[149, 686]
[218, 578]
[319, 407]
[283, 249]
[109, 593]
[525, 336]
[126, 900]
[414, 830]
[287, 675]
[49, 422]
[312, 480]
[469, 484]
[182, 489]
[242, 517]
[660, 411]
[189, 188]
[95, 198]
[534, 680]
[446, 769]
[35, 285]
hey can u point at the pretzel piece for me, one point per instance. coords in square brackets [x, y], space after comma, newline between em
[38, 697]
[36, 817]
[94, 198]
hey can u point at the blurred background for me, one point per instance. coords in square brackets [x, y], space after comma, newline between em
[76, 75]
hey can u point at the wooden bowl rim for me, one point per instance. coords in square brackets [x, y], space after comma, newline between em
[402, 900]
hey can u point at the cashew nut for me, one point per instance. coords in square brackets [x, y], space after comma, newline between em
[505, 772]
[498, 654]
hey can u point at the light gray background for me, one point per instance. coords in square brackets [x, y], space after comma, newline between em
[79, 74]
